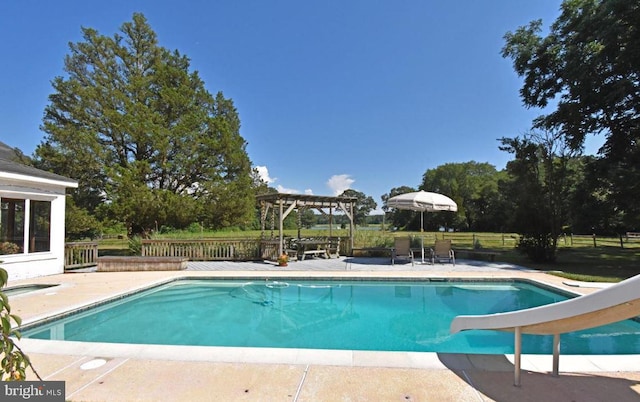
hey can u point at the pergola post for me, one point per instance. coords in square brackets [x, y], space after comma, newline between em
[281, 227]
[351, 225]
[330, 221]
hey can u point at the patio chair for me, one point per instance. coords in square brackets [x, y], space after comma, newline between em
[443, 251]
[402, 250]
[291, 249]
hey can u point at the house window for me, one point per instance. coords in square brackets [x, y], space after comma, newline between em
[39, 226]
[12, 226]
[16, 215]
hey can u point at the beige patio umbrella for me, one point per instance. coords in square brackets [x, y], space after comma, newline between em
[422, 201]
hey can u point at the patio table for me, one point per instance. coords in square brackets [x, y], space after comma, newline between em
[312, 247]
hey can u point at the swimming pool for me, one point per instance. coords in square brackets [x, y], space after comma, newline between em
[348, 315]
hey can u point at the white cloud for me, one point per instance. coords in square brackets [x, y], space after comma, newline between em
[308, 191]
[286, 190]
[340, 182]
[263, 172]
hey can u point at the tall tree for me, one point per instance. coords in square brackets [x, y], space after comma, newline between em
[592, 209]
[401, 218]
[307, 218]
[363, 206]
[589, 65]
[540, 191]
[147, 142]
[473, 186]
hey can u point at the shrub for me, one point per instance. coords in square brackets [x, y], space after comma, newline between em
[195, 227]
[14, 362]
[9, 248]
[135, 245]
[539, 248]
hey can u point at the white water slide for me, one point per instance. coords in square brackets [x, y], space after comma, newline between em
[618, 302]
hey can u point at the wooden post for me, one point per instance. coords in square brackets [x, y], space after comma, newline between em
[281, 219]
[299, 223]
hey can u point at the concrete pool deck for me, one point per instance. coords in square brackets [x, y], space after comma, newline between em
[153, 372]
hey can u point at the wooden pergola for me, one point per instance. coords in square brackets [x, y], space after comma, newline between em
[285, 203]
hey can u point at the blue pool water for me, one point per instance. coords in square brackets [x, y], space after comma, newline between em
[350, 315]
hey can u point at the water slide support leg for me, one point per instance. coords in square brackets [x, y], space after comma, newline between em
[516, 356]
[556, 353]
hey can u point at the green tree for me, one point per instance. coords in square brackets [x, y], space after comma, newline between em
[307, 218]
[363, 206]
[473, 186]
[148, 143]
[400, 218]
[588, 67]
[79, 224]
[592, 208]
[539, 189]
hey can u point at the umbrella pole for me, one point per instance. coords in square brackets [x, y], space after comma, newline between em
[422, 234]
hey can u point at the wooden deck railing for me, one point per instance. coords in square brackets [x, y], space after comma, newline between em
[85, 254]
[204, 250]
[223, 249]
[80, 254]
[269, 249]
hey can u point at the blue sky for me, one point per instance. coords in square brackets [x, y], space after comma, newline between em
[331, 94]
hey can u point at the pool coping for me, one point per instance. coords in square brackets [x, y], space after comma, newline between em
[331, 357]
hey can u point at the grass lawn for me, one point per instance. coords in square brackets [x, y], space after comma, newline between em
[604, 264]
[117, 246]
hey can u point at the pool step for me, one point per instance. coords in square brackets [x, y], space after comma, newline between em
[179, 294]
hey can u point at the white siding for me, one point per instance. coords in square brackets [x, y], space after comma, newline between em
[30, 265]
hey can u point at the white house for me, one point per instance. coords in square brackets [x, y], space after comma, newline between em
[32, 212]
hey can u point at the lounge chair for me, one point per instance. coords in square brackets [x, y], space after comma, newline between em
[443, 251]
[402, 250]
